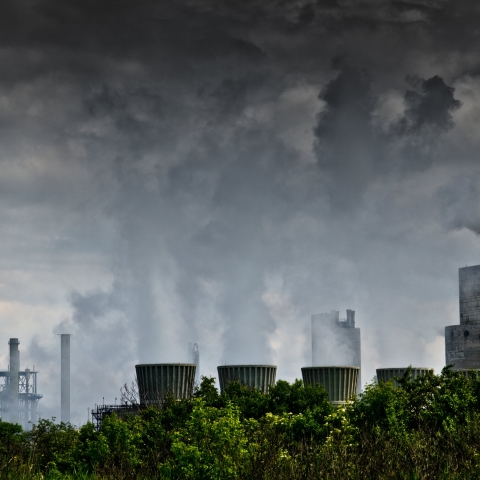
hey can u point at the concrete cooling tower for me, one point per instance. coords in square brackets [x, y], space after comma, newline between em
[340, 382]
[336, 342]
[157, 380]
[386, 374]
[260, 377]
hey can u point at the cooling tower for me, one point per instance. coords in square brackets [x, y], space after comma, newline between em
[156, 380]
[336, 341]
[260, 377]
[385, 374]
[13, 387]
[339, 382]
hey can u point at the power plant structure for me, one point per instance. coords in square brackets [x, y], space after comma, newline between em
[65, 377]
[260, 377]
[336, 342]
[462, 342]
[13, 389]
[341, 382]
[387, 374]
[468, 373]
[156, 381]
[194, 357]
[336, 365]
[336, 358]
[18, 391]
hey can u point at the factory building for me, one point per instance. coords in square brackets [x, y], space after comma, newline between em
[335, 341]
[462, 342]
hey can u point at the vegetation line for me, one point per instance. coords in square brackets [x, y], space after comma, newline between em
[429, 428]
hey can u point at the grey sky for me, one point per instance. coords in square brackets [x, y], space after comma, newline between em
[216, 172]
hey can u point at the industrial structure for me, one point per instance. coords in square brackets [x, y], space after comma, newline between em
[65, 377]
[468, 372]
[387, 374]
[194, 357]
[100, 412]
[336, 341]
[18, 391]
[157, 380]
[341, 382]
[261, 377]
[13, 389]
[462, 342]
[336, 359]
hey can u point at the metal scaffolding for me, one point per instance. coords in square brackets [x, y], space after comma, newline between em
[102, 411]
[27, 397]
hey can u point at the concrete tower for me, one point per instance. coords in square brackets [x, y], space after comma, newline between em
[336, 342]
[462, 342]
[65, 377]
[13, 387]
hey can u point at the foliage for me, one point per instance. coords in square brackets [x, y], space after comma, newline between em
[426, 428]
[13, 447]
[52, 446]
[212, 444]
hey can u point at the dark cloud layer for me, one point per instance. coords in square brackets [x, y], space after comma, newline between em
[217, 171]
[429, 108]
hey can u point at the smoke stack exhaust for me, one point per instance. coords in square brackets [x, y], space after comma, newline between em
[65, 377]
[194, 357]
[14, 369]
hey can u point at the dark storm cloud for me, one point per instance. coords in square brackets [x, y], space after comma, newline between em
[353, 152]
[428, 108]
[347, 150]
[178, 33]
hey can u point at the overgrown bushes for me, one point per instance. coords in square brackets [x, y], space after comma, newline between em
[429, 428]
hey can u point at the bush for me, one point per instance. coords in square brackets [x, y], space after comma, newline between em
[427, 428]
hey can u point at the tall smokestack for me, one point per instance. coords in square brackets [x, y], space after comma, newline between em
[13, 389]
[65, 377]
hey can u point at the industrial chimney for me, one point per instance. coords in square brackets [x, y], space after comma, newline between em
[65, 377]
[13, 388]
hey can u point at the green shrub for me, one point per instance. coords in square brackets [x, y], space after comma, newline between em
[427, 428]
